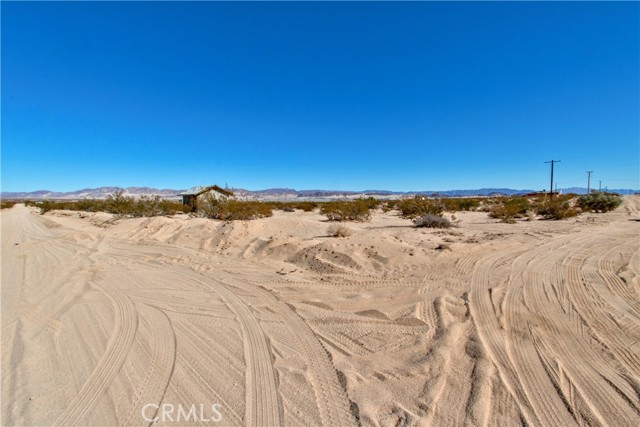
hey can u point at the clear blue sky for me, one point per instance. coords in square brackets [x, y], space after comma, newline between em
[353, 96]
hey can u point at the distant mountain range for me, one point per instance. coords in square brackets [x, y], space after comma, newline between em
[278, 193]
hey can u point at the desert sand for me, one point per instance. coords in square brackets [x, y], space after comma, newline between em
[534, 323]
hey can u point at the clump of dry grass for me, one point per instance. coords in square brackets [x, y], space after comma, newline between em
[337, 230]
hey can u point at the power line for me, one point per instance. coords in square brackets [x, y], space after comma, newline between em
[551, 184]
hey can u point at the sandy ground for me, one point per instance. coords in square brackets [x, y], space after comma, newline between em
[534, 323]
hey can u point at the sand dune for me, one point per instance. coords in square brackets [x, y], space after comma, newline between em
[110, 321]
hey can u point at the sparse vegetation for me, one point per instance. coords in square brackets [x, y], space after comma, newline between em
[292, 206]
[508, 209]
[457, 204]
[599, 201]
[389, 205]
[336, 230]
[556, 208]
[118, 204]
[413, 208]
[6, 204]
[432, 221]
[371, 202]
[355, 210]
[231, 209]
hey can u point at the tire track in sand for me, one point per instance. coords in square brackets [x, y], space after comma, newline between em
[126, 323]
[332, 400]
[163, 355]
[546, 374]
[263, 406]
[493, 337]
[534, 316]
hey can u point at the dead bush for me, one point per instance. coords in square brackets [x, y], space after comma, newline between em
[432, 221]
[337, 230]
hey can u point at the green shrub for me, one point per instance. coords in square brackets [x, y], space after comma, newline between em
[432, 221]
[556, 208]
[355, 210]
[412, 208]
[599, 201]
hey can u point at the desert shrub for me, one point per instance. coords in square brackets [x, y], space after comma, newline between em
[119, 204]
[171, 207]
[489, 203]
[460, 204]
[89, 205]
[432, 221]
[556, 208]
[46, 206]
[7, 204]
[508, 209]
[292, 206]
[599, 201]
[336, 230]
[231, 209]
[305, 206]
[147, 206]
[355, 210]
[371, 202]
[389, 205]
[49, 205]
[413, 208]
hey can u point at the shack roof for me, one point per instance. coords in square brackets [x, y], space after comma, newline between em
[199, 189]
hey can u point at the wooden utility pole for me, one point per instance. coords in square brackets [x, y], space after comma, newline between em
[589, 181]
[600, 185]
[551, 184]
